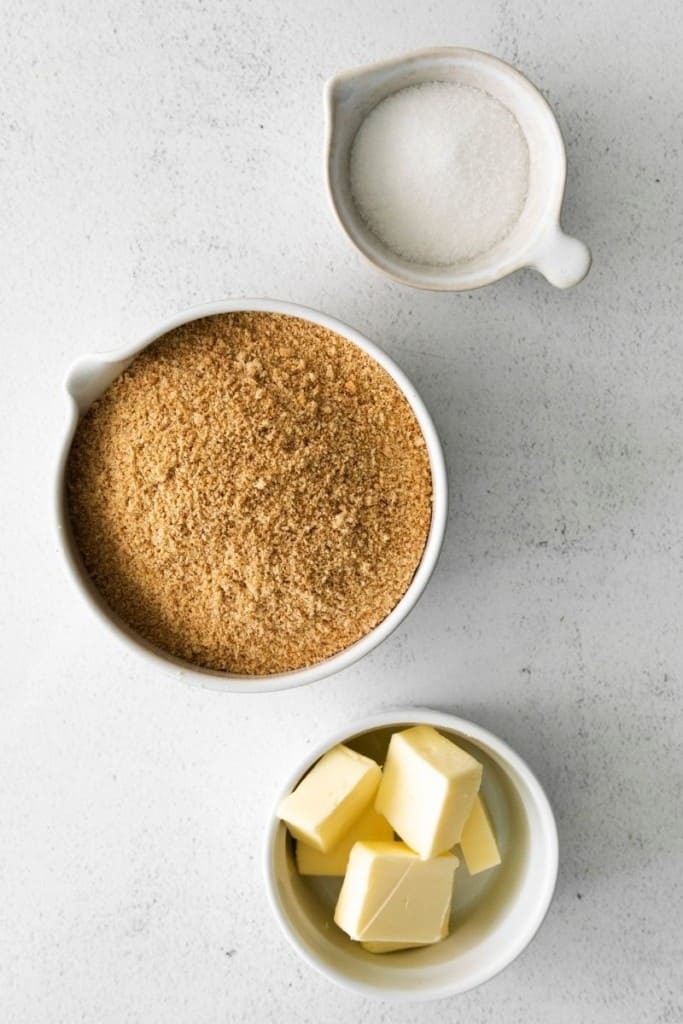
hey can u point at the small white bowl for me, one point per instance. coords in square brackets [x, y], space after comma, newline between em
[537, 240]
[495, 914]
[91, 375]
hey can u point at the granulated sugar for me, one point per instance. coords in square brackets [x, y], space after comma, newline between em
[252, 494]
[440, 172]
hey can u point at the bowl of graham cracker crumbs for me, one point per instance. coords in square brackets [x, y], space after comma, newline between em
[253, 496]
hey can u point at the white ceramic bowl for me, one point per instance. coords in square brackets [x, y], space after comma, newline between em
[495, 914]
[90, 376]
[537, 239]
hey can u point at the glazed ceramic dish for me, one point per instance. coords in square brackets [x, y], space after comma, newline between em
[93, 374]
[537, 239]
[495, 914]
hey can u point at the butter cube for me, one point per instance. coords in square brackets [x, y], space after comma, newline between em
[396, 947]
[390, 895]
[477, 842]
[427, 789]
[328, 800]
[392, 947]
[370, 826]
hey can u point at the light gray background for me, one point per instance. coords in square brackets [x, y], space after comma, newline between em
[156, 155]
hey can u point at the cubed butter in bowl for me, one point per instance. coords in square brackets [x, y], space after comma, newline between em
[428, 789]
[329, 800]
[370, 826]
[444, 904]
[390, 894]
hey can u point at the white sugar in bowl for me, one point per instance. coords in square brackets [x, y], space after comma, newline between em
[535, 238]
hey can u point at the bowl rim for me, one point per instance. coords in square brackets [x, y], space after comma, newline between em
[401, 716]
[547, 226]
[213, 679]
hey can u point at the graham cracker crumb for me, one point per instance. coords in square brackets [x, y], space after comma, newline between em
[253, 494]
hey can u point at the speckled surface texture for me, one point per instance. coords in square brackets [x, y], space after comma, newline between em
[157, 155]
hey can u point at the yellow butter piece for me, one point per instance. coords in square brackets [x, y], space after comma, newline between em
[428, 789]
[391, 895]
[478, 842]
[328, 800]
[393, 947]
[396, 947]
[370, 826]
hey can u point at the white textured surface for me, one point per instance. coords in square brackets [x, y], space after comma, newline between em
[156, 155]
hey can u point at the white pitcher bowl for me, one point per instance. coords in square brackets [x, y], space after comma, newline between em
[537, 239]
[91, 375]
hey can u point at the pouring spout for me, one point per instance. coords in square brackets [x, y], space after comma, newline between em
[89, 376]
[358, 89]
[347, 92]
[339, 89]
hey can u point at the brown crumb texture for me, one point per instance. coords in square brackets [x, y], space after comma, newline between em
[253, 494]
